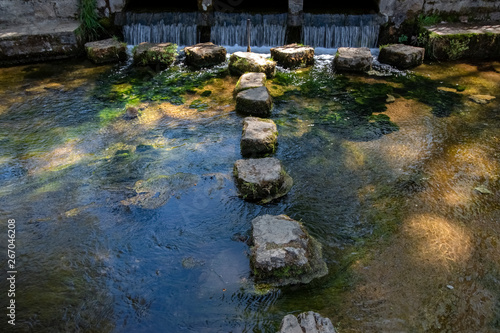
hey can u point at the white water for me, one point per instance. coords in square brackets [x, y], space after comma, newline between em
[319, 30]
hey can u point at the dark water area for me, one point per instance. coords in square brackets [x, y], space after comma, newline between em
[135, 225]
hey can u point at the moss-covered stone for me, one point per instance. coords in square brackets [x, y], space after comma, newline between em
[243, 62]
[254, 102]
[283, 252]
[155, 55]
[105, 51]
[402, 56]
[261, 180]
[293, 55]
[205, 55]
[259, 137]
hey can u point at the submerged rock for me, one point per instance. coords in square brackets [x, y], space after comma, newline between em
[283, 253]
[259, 137]
[243, 62]
[107, 50]
[250, 80]
[205, 55]
[306, 322]
[481, 99]
[293, 55]
[155, 192]
[353, 59]
[261, 179]
[149, 54]
[402, 56]
[254, 102]
[131, 112]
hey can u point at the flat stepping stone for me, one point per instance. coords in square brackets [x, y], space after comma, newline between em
[243, 62]
[308, 322]
[353, 59]
[261, 179]
[481, 99]
[402, 56]
[106, 51]
[283, 253]
[293, 55]
[254, 102]
[250, 80]
[150, 54]
[259, 137]
[205, 55]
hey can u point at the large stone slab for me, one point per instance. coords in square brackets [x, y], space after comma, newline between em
[353, 59]
[39, 42]
[259, 137]
[107, 50]
[293, 55]
[283, 253]
[159, 55]
[306, 322]
[243, 62]
[205, 55]
[261, 179]
[250, 80]
[402, 56]
[254, 102]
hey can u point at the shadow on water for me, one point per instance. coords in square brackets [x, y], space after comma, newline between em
[136, 225]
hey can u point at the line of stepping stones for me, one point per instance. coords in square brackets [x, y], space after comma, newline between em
[289, 56]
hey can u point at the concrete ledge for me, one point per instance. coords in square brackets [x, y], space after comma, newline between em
[464, 41]
[32, 43]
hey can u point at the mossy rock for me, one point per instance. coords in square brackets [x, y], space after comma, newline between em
[155, 55]
[259, 137]
[106, 51]
[293, 55]
[283, 253]
[261, 180]
[254, 102]
[243, 62]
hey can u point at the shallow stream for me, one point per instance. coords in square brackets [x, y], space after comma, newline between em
[134, 225]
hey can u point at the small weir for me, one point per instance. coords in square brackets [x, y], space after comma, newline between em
[318, 30]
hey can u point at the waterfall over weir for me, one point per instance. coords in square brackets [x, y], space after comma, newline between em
[318, 30]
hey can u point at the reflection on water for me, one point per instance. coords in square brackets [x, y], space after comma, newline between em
[135, 225]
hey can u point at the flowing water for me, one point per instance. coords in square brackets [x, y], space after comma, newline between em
[319, 30]
[135, 225]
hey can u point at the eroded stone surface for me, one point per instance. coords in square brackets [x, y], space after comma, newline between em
[402, 56]
[250, 80]
[243, 62]
[261, 179]
[353, 59]
[306, 322]
[259, 137]
[205, 55]
[254, 102]
[283, 252]
[107, 50]
[293, 55]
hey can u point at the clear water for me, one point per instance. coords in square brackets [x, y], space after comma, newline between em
[398, 212]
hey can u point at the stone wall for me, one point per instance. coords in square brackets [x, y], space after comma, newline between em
[20, 12]
[398, 11]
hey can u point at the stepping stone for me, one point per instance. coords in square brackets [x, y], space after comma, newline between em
[205, 55]
[243, 62]
[259, 137]
[481, 99]
[283, 253]
[293, 55]
[160, 55]
[402, 56]
[308, 322]
[352, 59]
[250, 80]
[105, 51]
[261, 179]
[254, 102]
